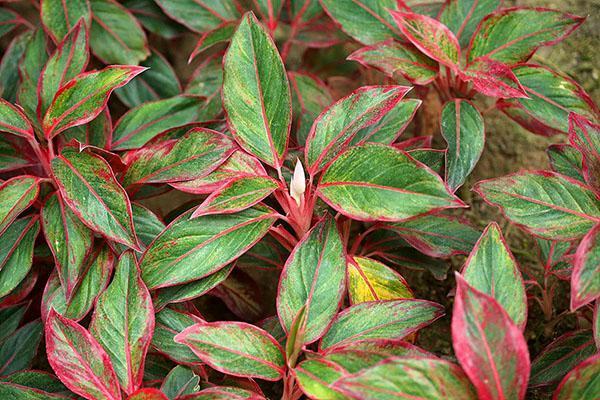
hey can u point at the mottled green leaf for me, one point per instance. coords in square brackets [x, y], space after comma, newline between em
[376, 182]
[492, 269]
[201, 246]
[123, 322]
[463, 16]
[168, 324]
[19, 349]
[153, 18]
[391, 319]
[462, 127]
[200, 16]
[220, 34]
[310, 96]
[17, 195]
[9, 67]
[116, 37]
[10, 319]
[9, 20]
[585, 279]
[30, 68]
[206, 82]
[16, 252]
[88, 186]
[370, 280]
[60, 16]
[584, 135]
[566, 160]
[235, 348]
[313, 278]
[179, 382]
[256, 93]
[549, 205]
[583, 382]
[12, 120]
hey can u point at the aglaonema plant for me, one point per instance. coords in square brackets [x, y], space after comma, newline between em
[253, 233]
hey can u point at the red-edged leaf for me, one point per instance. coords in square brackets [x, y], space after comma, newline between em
[90, 188]
[16, 195]
[220, 34]
[585, 136]
[60, 16]
[200, 16]
[566, 160]
[489, 346]
[585, 279]
[12, 120]
[148, 394]
[493, 78]
[16, 252]
[236, 348]
[463, 16]
[397, 58]
[430, 36]
[583, 382]
[123, 322]
[84, 97]
[78, 360]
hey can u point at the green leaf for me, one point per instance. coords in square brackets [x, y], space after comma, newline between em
[17, 195]
[82, 98]
[310, 96]
[12, 120]
[462, 127]
[33, 385]
[141, 124]
[147, 224]
[489, 346]
[78, 360]
[159, 82]
[10, 390]
[116, 37]
[68, 60]
[566, 160]
[30, 68]
[235, 348]
[397, 59]
[9, 67]
[585, 278]
[560, 357]
[337, 126]
[313, 277]
[418, 378]
[10, 319]
[256, 93]
[19, 349]
[546, 204]
[237, 195]
[179, 382]
[367, 21]
[97, 270]
[9, 20]
[596, 326]
[463, 16]
[200, 16]
[437, 235]
[583, 382]
[584, 135]
[512, 35]
[391, 319]
[206, 82]
[370, 280]
[69, 240]
[168, 324]
[202, 246]
[376, 182]
[492, 269]
[96, 133]
[59, 16]
[220, 34]
[192, 156]
[16, 252]
[431, 37]
[89, 187]
[123, 322]
[552, 96]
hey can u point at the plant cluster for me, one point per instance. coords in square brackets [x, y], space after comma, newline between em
[285, 270]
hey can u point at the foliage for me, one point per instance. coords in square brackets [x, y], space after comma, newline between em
[286, 269]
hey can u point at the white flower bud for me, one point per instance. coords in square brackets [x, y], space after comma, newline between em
[298, 183]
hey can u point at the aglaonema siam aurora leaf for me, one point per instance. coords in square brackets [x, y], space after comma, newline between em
[200, 16]
[10, 319]
[68, 61]
[123, 322]
[596, 326]
[235, 348]
[335, 128]
[462, 127]
[313, 278]
[583, 382]
[430, 36]
[493, 78]
[9, 20]
[585, 279]
[180, 381]
[490, 348]
[492, 269]
[385, 190]
[88, 186]
[9, 72]
[551, 97]
[78, 360]
[396, 59]
[30, 68]
[392, 319]
[546, 204]
[256, 93]
[566, 160]
[194, 155]
[463, 16]
[585, 137]
[220, 34]
[16, 252]
[169, 323]
[370, 280]
[17, 195]
[147, 394]
[69, 240]
[59, 16]
[19, 349]
[12, 120]
[202, 246]
[82, 98]
[512, 35]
